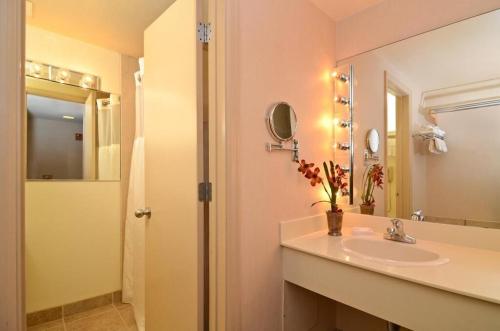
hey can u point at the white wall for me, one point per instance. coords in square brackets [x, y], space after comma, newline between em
[51, 48]
[463, 183]
[72, 242]
[73, 239]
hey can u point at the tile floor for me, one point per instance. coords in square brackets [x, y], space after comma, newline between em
[114, 317]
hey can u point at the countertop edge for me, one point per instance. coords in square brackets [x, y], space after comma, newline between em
[288, 245]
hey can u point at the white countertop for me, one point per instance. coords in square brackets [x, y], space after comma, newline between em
[473, 272]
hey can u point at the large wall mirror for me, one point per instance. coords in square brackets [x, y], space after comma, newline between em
[73, 133]
[435, 99]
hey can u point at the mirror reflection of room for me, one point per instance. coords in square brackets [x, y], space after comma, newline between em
[435, 93]
[73, 133]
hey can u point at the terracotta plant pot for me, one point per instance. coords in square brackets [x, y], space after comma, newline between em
[367, 209]
[334, 223]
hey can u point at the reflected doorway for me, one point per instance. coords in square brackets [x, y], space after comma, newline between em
[397, 133]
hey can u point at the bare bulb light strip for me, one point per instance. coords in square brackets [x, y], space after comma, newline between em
[340, 76]
[62, 75]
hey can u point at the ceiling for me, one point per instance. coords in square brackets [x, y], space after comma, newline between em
[54, 109]
[457, 54]
[340, 9]
[119, 23]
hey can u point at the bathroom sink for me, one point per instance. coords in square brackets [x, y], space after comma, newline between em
[391, 253]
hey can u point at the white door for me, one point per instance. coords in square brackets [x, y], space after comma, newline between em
[173, 141]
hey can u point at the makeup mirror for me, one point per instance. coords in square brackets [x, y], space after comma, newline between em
[372, 141]
[282, 122]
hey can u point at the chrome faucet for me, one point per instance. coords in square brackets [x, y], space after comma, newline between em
[418, 216]
[397, 233]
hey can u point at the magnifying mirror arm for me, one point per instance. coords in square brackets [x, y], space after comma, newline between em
[280, 147]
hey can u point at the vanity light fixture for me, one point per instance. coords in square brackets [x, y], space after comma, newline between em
[343, 100]
[87, 81]
[340, 76]
[345, 168]
[35, 69]
[342, 104]
[344, 146]
[66, 117]
[62, 75]
[344, 124]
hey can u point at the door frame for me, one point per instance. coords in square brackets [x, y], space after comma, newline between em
[12, 99]
[403, 138]
[12, 58]
[215, 13]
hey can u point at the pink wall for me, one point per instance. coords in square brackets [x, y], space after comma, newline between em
[283, 51]
[394, 20]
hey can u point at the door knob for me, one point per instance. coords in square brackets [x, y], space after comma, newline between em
[140, 213]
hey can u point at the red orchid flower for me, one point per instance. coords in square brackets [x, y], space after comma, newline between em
[377, 175]
[314, 176]
[373, 178]
[304, 166]
[335, 178]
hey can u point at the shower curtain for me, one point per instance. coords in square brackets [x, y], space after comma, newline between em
[134, 259]
[108, 142]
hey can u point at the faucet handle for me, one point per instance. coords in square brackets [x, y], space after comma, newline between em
[397, 223]
[398, 227]
[397, 233]
[418, 215]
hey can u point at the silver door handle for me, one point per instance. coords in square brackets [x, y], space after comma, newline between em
[140, 213]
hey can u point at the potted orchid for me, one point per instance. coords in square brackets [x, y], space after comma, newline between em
[336, 181]
[372, 178]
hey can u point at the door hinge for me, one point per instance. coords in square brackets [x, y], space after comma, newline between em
[204, 32]
[205, 192]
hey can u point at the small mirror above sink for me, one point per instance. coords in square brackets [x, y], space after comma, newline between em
[391, 253]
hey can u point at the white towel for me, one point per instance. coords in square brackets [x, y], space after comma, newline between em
[431, 129]
[441, 145]
[437, 146]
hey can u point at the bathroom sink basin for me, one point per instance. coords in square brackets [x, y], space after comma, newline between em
[391, 252]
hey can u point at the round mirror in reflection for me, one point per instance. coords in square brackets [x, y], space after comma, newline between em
[283, 121]
[372, 141]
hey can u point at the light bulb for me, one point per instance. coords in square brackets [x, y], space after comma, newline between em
[342, 100]
[63, 75]
[343, 124]
[87, 81]
[35, 69]
[340, 76]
